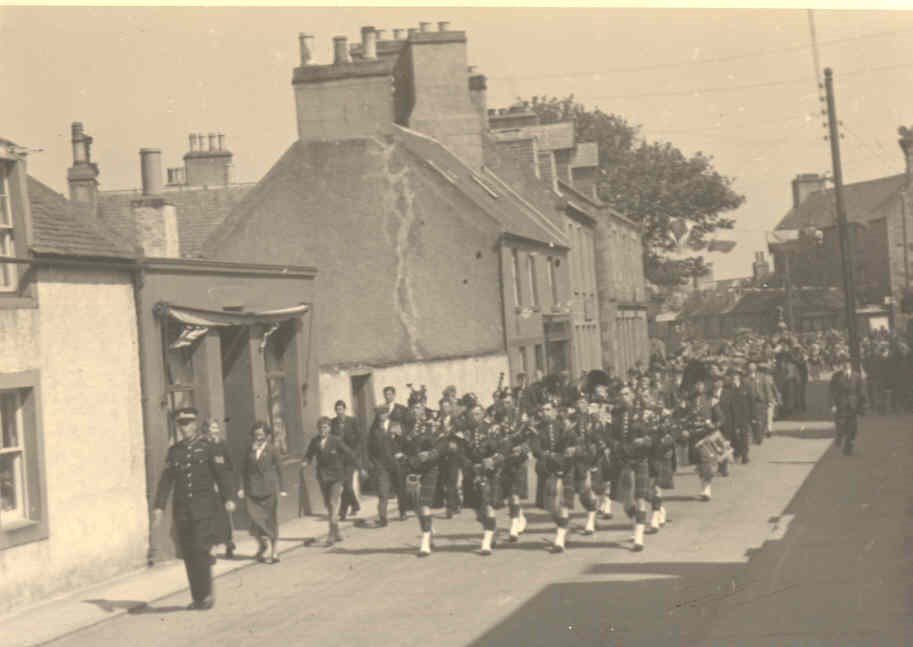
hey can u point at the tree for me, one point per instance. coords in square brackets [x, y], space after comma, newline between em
[655, 184]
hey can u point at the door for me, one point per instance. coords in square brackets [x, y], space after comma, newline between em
[363, 410]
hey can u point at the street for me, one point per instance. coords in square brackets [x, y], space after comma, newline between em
[801, 546]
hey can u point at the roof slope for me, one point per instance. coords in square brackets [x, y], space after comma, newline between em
[864, 202]
[307, 183]
[63, 228]
[199, 210]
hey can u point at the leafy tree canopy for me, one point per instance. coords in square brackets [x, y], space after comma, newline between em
[653, 183]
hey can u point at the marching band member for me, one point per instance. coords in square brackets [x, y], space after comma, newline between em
[423, 448]
[451, 478]
[482, 462]
[664, 429]
[586, 439]
[634, 446]
[517, 435]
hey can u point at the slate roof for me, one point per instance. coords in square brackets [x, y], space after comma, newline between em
[63, 228]
[766, 301]
[296, 168]
[199, 210]
[865, 201]
[550, 137]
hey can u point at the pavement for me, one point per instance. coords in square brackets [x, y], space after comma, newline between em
[803, 546]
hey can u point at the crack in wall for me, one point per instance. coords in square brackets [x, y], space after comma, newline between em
[399, 214]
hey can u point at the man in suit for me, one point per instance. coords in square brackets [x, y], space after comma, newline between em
[385, 453]
[761, 394]
[395, 411]
[346, 428]
[330, 453]
[848, 402]
[193, 467]
[737, 411]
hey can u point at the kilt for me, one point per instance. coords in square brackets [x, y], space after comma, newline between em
[662, 469]
[559, 492]
[584, 488]
[707, 459]
[421, 488]
[633, 482]
[515, 480]
[483, 489]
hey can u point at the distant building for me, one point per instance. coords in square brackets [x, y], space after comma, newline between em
[880, 215]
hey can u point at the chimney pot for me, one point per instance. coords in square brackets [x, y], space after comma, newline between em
[201, 142]
[906, 145]
[212, 142]
[380, 33]
[369, 43]
[193, 142]
[80, 143]
[306, 48]
[424, 26]
[399, 34]
[341, 50]
[151, 170]
[412, 30]
[443, 26]
[221, 137]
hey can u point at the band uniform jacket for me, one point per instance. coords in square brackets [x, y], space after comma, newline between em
[847, 394]
[761, 392]
[263, 476]
[192, 469]
[383, 447]
[346, 429]
[330, 459]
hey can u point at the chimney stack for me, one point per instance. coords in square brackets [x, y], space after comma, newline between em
[443, 26]
[380, 33]
[82, 176]
[906, 145]
[369, 43]
[306, 48]
[151, 171]
[424, 26]
[341, 50]
[412, 30]
[193, 142]
[206, 166]
[804, 185]
[399, 34]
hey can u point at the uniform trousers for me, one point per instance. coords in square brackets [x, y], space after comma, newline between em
[847, 426]
[193, 537]
[351, 490]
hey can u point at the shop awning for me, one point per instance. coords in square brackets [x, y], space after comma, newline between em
[221, 318]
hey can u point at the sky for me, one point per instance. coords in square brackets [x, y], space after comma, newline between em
[738, 85]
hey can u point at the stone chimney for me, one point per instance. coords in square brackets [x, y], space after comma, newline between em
[207, 163]
[906, 145]
[350, 98]
[804, 185]
[82, 176]
[155, 217]
[478, 94]
[306, 48]
[432, 93]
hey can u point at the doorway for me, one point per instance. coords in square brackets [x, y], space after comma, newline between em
[363, 412]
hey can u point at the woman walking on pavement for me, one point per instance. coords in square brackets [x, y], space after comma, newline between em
[263, 484]
[222, 529]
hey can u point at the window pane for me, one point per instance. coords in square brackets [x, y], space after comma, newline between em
[182, 342]
[12, 492]
[9, 419]
[7, 270]
[5, 215]
[277, 413]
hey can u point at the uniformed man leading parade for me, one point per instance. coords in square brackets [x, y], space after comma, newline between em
[192, 467]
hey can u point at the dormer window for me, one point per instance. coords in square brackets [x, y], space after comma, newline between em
[7, 239]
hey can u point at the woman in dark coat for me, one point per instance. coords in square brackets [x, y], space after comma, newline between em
[221, 522]
[263, 484]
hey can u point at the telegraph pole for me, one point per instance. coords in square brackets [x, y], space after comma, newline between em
[846, 245]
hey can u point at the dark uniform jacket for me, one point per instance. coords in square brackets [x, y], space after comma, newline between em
[330, 458]
[383, 447]
[192, 469]
[847, 394]
[263, 476]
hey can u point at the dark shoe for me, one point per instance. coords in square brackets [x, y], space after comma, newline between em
[554, 549]
[202, 605]
[745, 461]
[650, 530]
[402, 516]
[342, 516]
[230, 551]
[638, 548]
[513, 539]
[381, 523]
[449, 514]
[272, 560]
[587, 533]
[485, 552]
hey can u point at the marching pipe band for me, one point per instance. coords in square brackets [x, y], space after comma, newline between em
[604, 442]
